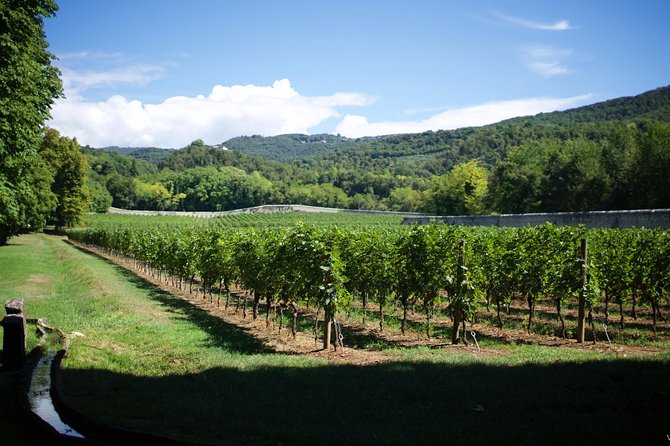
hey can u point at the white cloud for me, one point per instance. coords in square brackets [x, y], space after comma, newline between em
[89, 55]
[561, 25]
[355, 126]
[545, 51]
[547, 69]
[75, 82]
[547, 61]
[227, 111]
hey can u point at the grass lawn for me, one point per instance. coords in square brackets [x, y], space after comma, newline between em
[150, 361]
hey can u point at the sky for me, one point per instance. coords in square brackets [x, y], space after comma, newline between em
[163, 73]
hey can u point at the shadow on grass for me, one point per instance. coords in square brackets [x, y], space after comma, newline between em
[221, 334]
[615, 402]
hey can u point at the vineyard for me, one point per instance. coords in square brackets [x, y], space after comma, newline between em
[327, 269]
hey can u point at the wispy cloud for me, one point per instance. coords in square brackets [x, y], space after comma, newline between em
[545, 51]
[357, 126]
[560, 25]
[227, 111]
[547, 61]
[138, 75]
[75, 83]
[85, 70]
[89, 55]
[548, 69]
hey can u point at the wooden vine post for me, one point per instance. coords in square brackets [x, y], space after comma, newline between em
[582, 294]
[458, 301]
[327, 327]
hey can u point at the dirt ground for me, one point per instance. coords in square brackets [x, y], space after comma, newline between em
[305, 344]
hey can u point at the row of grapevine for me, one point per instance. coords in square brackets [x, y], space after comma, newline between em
[458, 267]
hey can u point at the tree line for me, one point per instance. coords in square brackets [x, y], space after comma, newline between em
[621, 166]
[43, 176]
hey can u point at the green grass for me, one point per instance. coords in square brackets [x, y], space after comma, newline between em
[152, 362]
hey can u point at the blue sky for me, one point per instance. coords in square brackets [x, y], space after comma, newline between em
[163, 73]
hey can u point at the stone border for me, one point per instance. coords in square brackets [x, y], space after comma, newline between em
[647, 218]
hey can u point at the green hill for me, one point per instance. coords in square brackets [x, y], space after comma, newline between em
[610, 155]
[436, 152]
[151, 154]
[293, 146]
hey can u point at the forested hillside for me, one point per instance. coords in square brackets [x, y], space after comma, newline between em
[437, 152]
[291, 147]
[610, 155]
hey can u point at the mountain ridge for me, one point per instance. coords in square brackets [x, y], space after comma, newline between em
[652, 104]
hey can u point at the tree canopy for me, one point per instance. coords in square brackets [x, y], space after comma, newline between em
[29, 83]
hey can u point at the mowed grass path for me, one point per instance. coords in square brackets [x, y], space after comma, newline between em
[149, 361]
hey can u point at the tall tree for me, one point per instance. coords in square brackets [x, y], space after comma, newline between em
[70, 174]
[574, 178]
[461, 191]
[28, 86]
[649, 181]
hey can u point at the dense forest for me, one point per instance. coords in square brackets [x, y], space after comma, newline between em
[610, 155]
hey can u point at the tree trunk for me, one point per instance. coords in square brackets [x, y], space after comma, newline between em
[428, 317]
[403, 326]
[560, 317]
[190, 284]
[257, 299]
[464, 334]
[294, 322]
[268, 307]
[327, 328]
[658, 311]
[456, 327]
[488, 301]
[500, 322]
[593, 327]
[531, 312]
[653, 315]
[381, 316]
[365, 306]
[621, 313]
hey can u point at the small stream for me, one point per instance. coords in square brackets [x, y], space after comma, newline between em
[39, 396]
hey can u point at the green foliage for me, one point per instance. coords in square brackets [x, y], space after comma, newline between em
[327, 265]
[28, 86]
[623, 169]
[611, 155]
[460, 192]
[69, 184]
[153, 155]
[291, 147]
[101, 199]
[225, 188]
